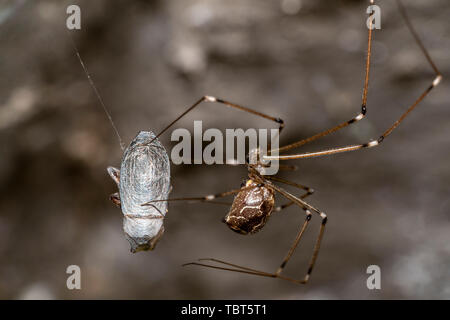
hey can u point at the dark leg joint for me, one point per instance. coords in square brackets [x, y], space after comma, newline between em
[363, 109]
[380, 139]
[309, 271]
[281, 122]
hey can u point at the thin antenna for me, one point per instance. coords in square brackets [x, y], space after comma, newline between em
[96, 92]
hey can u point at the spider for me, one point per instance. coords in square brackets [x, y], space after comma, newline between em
[254, 202]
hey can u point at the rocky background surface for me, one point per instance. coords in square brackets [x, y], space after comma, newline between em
[301, 60]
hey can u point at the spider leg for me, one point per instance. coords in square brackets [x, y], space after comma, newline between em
[356, 118]
[211, 197]
[235, 266]
[226, 266]
[237, 269]
[374, 143]
[224, 103]
[208, 198]
[369, 144]
[309, 191]
[308, 208]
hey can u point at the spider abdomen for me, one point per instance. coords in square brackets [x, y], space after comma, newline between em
[251, 208]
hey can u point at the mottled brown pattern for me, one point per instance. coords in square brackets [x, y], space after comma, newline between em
[251, 208]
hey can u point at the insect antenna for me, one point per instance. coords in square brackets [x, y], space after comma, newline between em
[91, 82]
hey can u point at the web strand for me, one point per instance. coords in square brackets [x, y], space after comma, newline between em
[96, 92]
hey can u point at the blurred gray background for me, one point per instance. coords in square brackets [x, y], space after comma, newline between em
[301, 60]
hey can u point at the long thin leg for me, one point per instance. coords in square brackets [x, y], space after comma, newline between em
[281, 167]
[369, 144]
[237, 268]
[242, 269]
[355, 119]
[224, 103]
[208, 198]
[386, 133]
[324, 218]
[211, 197]
[291, 183]
[309, 191]
[402, 10]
